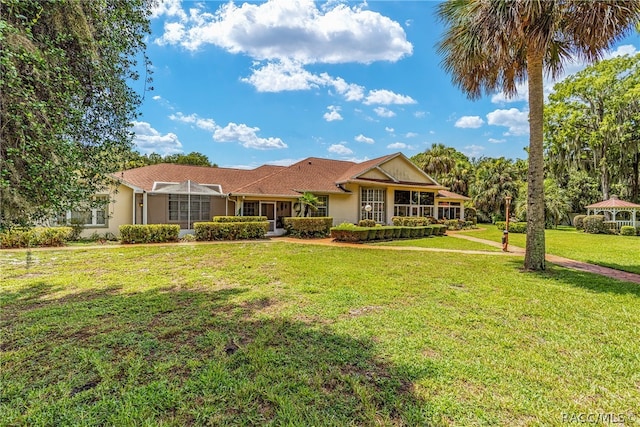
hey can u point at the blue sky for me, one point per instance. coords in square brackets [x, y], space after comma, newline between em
[278, 81]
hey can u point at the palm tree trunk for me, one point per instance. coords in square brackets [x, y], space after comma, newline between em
[535, 250]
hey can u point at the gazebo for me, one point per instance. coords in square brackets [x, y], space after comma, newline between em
[617, 212]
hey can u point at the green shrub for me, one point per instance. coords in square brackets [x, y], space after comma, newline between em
[405, 232]
[77, 226]
[306, 227]
[454, 224]
[428, 231]
[38, 236]
[239, 218]
[577, 222]
[208, 231]
[594, 224]
[470, 214]
[388, 232]
[410, 221]
[514, 227]
[438, 229]
[350, 233]
[366, 223]
[397, 232]
[627, 230]
[149, 233]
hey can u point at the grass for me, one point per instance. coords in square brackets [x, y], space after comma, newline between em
[287, 334]
[619, 252]
[440, 242]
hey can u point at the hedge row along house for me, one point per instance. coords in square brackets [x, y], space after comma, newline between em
[377, 189]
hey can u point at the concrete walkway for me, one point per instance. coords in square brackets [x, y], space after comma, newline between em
[561, 261]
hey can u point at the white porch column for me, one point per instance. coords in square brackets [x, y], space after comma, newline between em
[134, 206]
[144, 207]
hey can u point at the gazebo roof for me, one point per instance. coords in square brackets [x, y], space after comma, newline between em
[612, 203]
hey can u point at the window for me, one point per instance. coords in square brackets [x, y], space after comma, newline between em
[179, 208]
[413, 203]
[373, 197]
[250, 208]
[323, 206]
[88, 217]
[449, 210]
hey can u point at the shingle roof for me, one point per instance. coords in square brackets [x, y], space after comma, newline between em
[228, 178]
[613, 202]
[312, 174]
[445, 194]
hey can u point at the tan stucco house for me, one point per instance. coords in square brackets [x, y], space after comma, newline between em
[180, 194]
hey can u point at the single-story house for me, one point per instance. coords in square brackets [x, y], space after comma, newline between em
[377, 189]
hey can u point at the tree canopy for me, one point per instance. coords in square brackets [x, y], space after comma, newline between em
[491, 45]
[65, 100]
[592, 125]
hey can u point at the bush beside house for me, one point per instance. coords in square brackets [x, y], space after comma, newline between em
[32, 237]
[308, 227]
[149, 233]
[224, 230]
[355, 233]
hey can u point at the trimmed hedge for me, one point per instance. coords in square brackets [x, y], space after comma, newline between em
[308, 227]
[438, 229]
[207, 231]
[149, 233]
[514, 227]
[410, 221]
[354, 233]
[577, 222]
[594, 224]
[366, 223]
[38, 236]
[627, 230]
[239, 218]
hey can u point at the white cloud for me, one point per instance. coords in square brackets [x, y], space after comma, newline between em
[473, 150]
[399, 146]
[627, 49]
[247, 137]
[517, 121]
[390, 130]
[472, 122]
[157, 98]
[199, 122]
[171, 8]
[282, 76]
[365, 139]
[497, 141]
[148, 140]
[296, 30]
[411, 135]
[420, 114]
[387, 97]
[333, 113]
[383, 112]
[340, 149]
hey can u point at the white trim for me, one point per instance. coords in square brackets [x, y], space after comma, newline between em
[144, 208]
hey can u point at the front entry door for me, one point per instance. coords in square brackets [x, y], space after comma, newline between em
[268, 209]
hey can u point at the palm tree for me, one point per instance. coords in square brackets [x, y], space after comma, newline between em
[496, 44]
[306, 204]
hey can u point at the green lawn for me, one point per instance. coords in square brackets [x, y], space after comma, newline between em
[441, 242]
[301, 335]
[619, 252]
